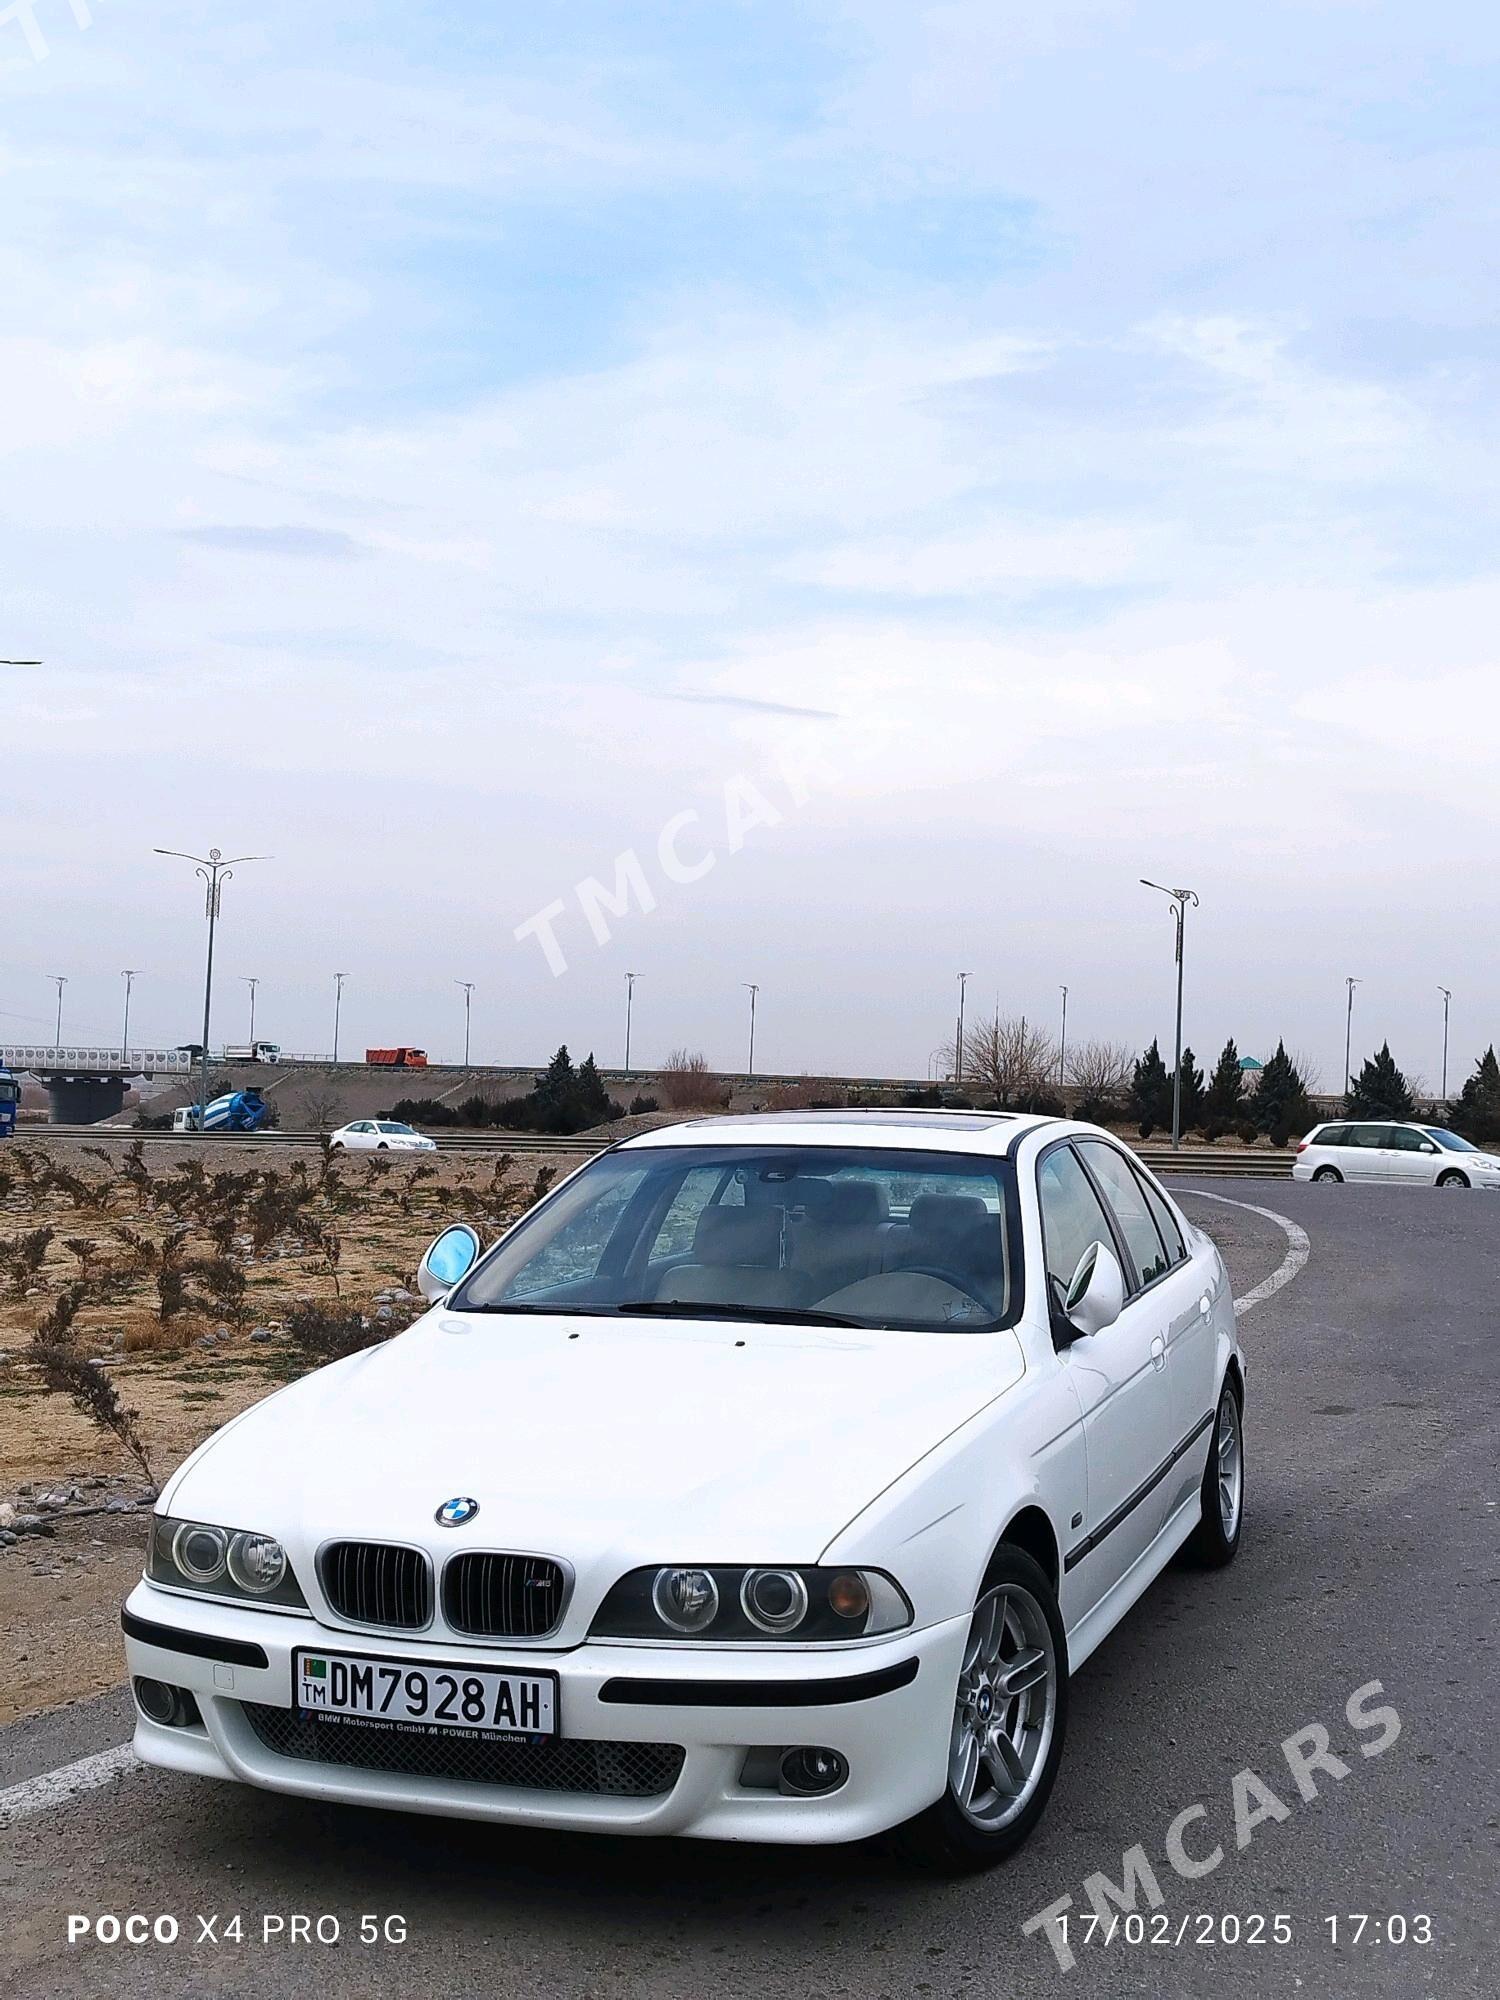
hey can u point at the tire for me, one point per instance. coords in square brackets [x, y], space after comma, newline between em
[382, 1147]
[1453, 1179]
[1216, 1539]
[978, 1821]
[337, 1146]
[1328, 1174]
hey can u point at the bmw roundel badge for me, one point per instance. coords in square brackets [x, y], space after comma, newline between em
[454, 1513]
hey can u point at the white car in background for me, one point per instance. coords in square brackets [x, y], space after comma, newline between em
[767, 1481]
[379, 1135]
[1369, 1149]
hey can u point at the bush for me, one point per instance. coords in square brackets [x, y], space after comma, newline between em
[638, 1105]
[1246, 1132]
[1145, 1128]
[685, 1080]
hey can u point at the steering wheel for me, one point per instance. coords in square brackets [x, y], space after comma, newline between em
[951, 1278]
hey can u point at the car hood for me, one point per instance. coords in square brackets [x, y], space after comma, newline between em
[608, 1442]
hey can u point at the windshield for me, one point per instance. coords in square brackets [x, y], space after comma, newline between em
[867, 1237]
[410, 1134]
[1449, 1139]
[10, 1090]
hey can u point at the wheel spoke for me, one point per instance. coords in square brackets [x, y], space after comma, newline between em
[1026, 1670]
[963, 1765]
[992, 1627]
[1003, 1762]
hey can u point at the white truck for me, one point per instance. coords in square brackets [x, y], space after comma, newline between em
[259, 1052]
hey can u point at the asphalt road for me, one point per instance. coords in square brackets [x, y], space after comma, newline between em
[1369, 1555]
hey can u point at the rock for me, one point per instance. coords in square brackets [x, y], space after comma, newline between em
[98, 1361]
[222, 1333]
[262, 1334]
[385, 1312]
[7, 1514]
[402, 1296]
[205, 1340]
[53, 1502]
[7, 1539]
[119, 1506]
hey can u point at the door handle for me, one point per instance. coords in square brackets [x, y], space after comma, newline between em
[1158, 1352]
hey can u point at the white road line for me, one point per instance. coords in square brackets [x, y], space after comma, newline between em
[1298, 1250]
[56, 1788]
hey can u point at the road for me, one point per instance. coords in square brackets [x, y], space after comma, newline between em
[1369, 1555]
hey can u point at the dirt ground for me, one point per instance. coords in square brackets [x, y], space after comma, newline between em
[59, 1594]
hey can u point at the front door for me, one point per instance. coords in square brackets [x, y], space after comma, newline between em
[1120, 1377]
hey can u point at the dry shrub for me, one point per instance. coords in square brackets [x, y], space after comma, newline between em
[685, 1080]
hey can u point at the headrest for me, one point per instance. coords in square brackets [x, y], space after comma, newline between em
[853, 1202]
[738, 1236]
[946, 1214]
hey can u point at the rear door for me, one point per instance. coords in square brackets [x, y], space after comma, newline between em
[1367, 1157]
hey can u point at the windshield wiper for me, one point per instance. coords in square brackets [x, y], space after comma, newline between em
[705, 1309]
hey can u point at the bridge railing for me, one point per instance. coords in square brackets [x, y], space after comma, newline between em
[51, 1056]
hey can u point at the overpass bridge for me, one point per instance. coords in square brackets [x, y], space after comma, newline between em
[85, 1083]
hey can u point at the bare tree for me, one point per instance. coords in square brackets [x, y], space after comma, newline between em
[686, 1080]
[322, 1109]
[1008, 1056]
[1309, 1071]
[1099, 1069]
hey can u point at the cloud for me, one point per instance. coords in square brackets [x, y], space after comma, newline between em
[325, 544]
[745, 701]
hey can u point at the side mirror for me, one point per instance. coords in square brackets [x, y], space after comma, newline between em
[446, 1259]
[1096, 1293]
[1427, 1147]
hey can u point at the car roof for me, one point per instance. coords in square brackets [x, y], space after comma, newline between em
[907, 1130]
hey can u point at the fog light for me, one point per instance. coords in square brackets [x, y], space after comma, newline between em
[172, 1707]
[807, 1773]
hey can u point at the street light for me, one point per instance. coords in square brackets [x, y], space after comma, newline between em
[752, 990]
[1062, 1046]
[129, 975]
[252, 983]
[1350, 985]
[215, 872]
[1179, 898]
[59, 980]
[338, 1001]
[958, 1036]
[468, 986]
[1447, 996]
[630, 979]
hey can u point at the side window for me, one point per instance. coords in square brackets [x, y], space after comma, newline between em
[1071, 1218]
[701, 1186]
[1367, 1135]
[1333, 1135]
[1165, 1220]
[1123, 1193]
[574, 1254]
[1404, 1140]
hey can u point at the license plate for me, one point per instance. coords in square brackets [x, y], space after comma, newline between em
[368, 1692]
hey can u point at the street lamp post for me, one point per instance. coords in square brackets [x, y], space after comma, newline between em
[1179, 898]
[1062, 1046]
[752, 990]
[468, 987]
[958, 1033]
[1349, 985]
[338, 1002]
[252, 983]
[215, 871]
[129, 976]
[59, 980]
[1447, 996]
[630, 979]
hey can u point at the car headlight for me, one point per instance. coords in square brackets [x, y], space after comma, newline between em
[222, 1562]
[730, 1604]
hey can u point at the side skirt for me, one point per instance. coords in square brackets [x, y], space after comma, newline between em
[1096, 1625]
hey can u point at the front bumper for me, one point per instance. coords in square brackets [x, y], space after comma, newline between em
[886, 1707]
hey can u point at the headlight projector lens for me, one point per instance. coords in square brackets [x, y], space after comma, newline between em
[774, 1599]
[200, 1553]
[257, 1563]
[685, 1599]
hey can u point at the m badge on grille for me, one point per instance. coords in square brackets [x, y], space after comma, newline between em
[454, 1513]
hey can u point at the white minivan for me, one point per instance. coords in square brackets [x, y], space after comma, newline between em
[1350, 1149]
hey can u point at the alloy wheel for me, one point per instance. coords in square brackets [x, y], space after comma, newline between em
[1231, 1463]
[1006, 1708]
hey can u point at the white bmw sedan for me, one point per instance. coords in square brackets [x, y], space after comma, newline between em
[766, 1482]
[380, 1135]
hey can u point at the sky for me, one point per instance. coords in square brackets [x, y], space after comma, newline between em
[819, 493]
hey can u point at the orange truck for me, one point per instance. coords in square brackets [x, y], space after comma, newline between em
[396, 1058]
